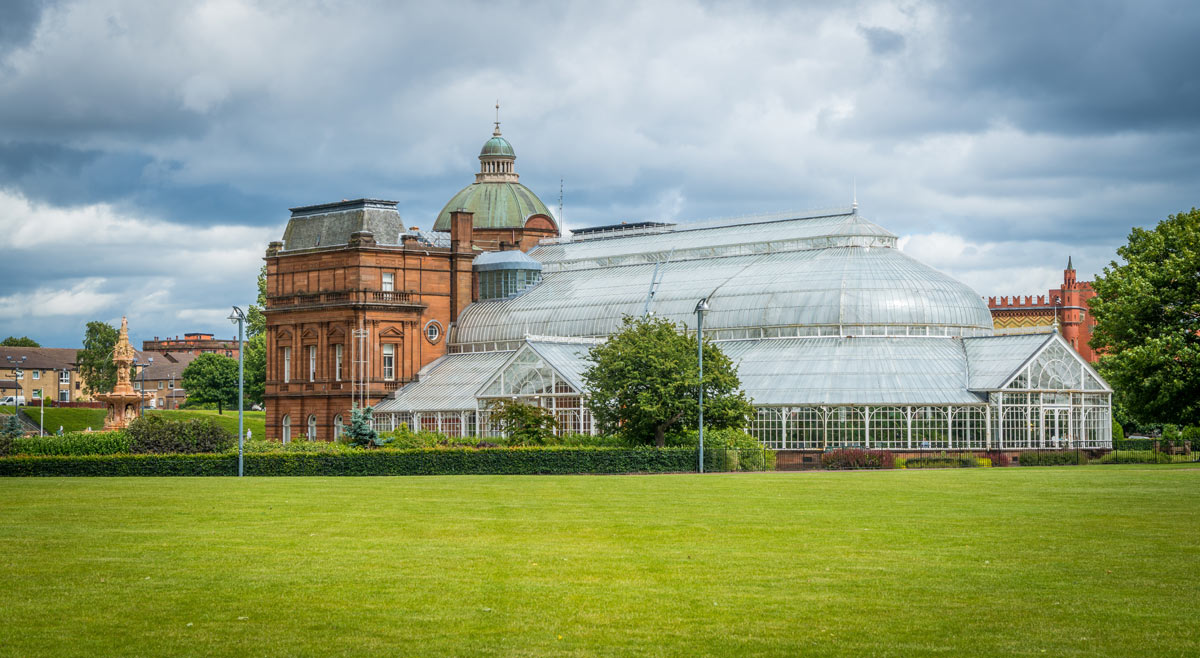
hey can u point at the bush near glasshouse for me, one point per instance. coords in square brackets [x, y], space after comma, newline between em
[726, 449]
[943, 460]
[1053, 458]
[74, 443]
[158, 435]
[1134, 457]
[384, 461]
[848, 458]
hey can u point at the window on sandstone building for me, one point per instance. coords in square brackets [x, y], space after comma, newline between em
[312, 362]
[337, 363]
[287, 365]
[389, 281]
[389, 362]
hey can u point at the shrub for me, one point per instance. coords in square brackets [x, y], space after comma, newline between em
[594, 440]
[1053, 458]
[316, 447]
[12, 428]
[847, 458]
[403, 438]
[156, 434]
[525, 424]
[511, 461]
[1134, 444]
[999, 459]
[943, 460]
[1134, 457]
[1118, 432]
[1191, 436]
[73, 443]
[727, 449]
[358, 431]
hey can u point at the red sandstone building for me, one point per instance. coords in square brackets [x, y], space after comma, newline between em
[192, 343]
[357, 304]
[1066, 306]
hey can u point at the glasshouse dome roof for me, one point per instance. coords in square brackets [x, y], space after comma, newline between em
[832, 275]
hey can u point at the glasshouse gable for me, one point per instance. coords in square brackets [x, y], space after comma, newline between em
[839, 337]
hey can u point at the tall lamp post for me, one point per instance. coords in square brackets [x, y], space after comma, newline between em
[239, 318]
[142, 385]
[701, 307]
[16, 366]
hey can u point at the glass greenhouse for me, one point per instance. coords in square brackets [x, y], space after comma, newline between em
[839, 337]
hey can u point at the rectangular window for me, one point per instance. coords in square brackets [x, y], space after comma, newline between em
[389, 281]
[312, 363]
[287, 365]
[160, 384]
[37, 392]
[337, 363]
[64, 396]
[389, 362]
[37, 374]
[64, 378]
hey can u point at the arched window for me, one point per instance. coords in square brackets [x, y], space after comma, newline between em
[311, 435]
[287, 429]
[337, 427]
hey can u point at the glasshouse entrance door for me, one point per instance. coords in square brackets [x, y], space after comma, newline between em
[1056, 427]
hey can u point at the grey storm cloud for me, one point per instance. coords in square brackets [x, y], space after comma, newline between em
[1000, 136]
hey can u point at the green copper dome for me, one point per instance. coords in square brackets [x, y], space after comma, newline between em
[496, 205]
[497, 146]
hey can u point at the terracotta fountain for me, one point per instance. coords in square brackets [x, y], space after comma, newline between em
[123, 402]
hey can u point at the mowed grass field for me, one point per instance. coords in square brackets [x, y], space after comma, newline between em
[1072, 561]
[79, 419]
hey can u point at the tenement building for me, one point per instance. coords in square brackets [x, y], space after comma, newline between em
[357, 304]
[1065, 307]
[840, 338]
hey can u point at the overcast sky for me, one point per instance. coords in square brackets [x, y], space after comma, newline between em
[150, 150]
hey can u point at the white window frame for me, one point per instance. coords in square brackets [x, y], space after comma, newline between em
[387, 282]
[310, 432]
[389, 361]
[337, 362]
[37, 374]
[312, 363]
[64, 377]
[287, 365]
[286, 432]
[337, 427]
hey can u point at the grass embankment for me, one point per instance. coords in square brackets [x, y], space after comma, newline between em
[1079, 561]
[77, 420]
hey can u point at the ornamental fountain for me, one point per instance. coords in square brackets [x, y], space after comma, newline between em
[123, 403]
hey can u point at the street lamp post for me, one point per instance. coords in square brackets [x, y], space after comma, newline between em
[701, 307]
[142, 386]
[16, 366]
[239, 317]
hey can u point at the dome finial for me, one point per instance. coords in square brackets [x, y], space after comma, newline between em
[854, 196]
[496, 132]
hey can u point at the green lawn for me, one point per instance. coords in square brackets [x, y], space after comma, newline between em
[77, 420]
[1071, 561]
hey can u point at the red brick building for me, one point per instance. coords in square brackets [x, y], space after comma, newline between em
[193, 343]
[1065, 306]
[357, 304]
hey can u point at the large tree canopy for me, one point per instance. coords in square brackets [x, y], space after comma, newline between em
[1148, 321]
[212, 379]
[643, 383]
[94, 362]
[255, 350]
[23, 341]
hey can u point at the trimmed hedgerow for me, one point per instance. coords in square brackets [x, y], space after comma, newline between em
[117, 465]
[1134, 457]
[73, 443]
[1052, 458]
[849, 458]
[442, 461]
[158, 435]
[943, 461]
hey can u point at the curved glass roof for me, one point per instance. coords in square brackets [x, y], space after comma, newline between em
[827, 272]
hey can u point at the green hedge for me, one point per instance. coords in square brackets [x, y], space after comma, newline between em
[455, 461]
[75, 444]
[1053, 458]
[1134, 457]
[1133, 444]
[942, 461]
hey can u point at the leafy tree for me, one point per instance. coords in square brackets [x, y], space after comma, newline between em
[255, 356]
[256, 320]
[212, 378]
[94, 362]
[23, 341]
[1148, 321]
[643, 383]
[525, 424]
[359, 432]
